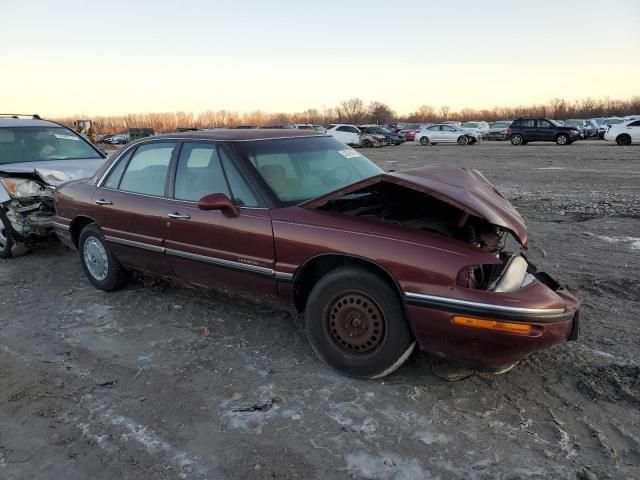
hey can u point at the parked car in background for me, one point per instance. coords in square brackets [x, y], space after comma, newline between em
[319, 128]
[303, 126]
[481, 127]
[119, 139]
[604, 124]
[446, 133]
[36, 157]
[498, 130]
[409, 131]
[378, 262]
[525, 130]
[348, 134]
[587, 128]
[390, 138]
[624, 133]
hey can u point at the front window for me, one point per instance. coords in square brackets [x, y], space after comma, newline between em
[146, 172]
[299, 169]
[41, 144]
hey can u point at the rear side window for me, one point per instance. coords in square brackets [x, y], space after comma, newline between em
[527, 123]
[199, 172]
[241, 194]
[147, 170]
[635, 124]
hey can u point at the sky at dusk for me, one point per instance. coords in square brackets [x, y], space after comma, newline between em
[69, 57]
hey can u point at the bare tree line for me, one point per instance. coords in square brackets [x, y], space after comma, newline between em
[355, 110]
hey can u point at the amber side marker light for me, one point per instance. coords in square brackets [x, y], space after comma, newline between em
[483, 324]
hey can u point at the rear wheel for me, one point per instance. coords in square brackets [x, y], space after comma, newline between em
[424, 141]
[623, 139]
[356, 324]
[562, 139]
[517, 139]
[463, 140]
[99, 265]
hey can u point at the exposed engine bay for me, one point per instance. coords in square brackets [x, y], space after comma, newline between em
[398, 205]
[30, 208]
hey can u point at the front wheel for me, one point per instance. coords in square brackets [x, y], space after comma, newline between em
[516, 139]
[99, 265]
[424, 141]
[562, 139]
[9, 245]
[623, 139]
[463, 140]
[366, 143]
[356, 324]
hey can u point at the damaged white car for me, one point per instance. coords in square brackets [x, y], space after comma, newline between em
[36, 156]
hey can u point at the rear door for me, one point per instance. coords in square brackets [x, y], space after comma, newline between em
[633, 129]
[209, 247]
[131, 206]
[527, 129]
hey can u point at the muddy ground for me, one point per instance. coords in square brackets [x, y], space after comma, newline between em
[158, 381]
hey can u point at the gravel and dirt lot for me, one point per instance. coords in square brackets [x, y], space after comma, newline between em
[158, 381]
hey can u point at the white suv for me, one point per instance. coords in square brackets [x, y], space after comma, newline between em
[345, 133]
[623, 133]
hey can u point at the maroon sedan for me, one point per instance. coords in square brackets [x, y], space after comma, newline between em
[377, 262]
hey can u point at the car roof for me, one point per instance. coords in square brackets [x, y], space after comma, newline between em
[26, 122]
[240, 135]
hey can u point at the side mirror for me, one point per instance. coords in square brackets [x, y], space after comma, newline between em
[219, 201]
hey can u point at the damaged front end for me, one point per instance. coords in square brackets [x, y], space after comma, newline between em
[492, 307]
[27, 204]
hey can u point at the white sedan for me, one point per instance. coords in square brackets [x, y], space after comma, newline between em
[624, 133]
[348, 134]
[446, 133]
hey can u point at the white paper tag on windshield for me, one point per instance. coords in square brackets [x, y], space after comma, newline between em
[66, 137]
[350, 153]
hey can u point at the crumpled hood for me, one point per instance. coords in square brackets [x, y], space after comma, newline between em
[466, 189]
[56, 172]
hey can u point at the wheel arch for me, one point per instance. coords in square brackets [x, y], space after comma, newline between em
[314, 268]
[623, 134]
[77, 225]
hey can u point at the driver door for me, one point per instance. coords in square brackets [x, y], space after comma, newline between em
[211, 248]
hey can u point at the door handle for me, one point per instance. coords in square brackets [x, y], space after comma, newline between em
[104, 202]
[181, 216]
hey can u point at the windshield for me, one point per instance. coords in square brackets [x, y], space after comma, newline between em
[573, 123]
[411, 126]
[470, 125]
[299, 169]
[318, 128]
[41, 144]
[499, 125]
[613, 121]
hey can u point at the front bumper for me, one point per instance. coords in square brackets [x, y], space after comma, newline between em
[30, 219]
[432, 320]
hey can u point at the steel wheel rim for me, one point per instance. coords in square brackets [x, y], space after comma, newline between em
[4, 241]
[516, 140]
[462, 141]
[562, 139]
[355, 323]
[95, 259]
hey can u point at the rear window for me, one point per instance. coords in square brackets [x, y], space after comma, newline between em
[38, 144]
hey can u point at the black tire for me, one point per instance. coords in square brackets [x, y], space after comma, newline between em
[517, 139]
[463, 140]
[562, 139]
[375, 346]
[424, 141]
[623, 139]
[115, 276]
[366, 143]
[7, 240]
[433, 143]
